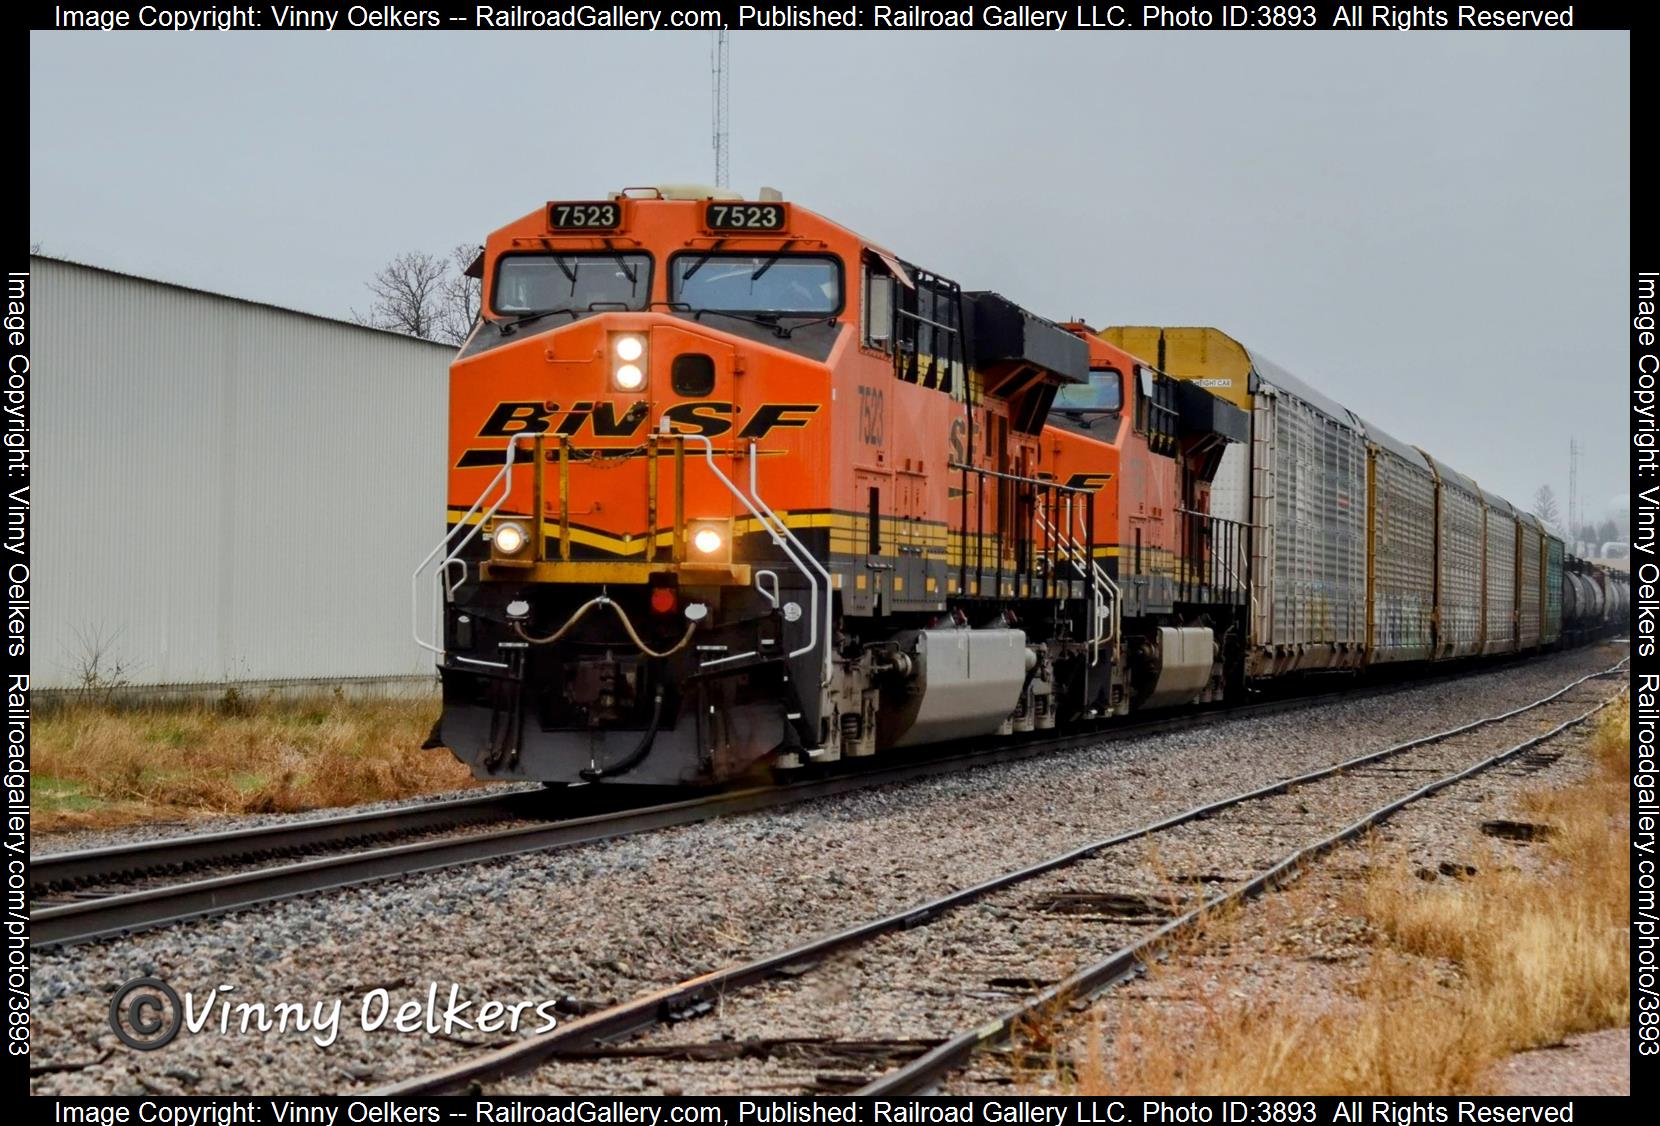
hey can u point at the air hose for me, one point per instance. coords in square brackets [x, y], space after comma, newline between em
[637, 755]
[603, 600]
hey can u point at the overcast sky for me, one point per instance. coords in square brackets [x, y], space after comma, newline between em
[1432, 228]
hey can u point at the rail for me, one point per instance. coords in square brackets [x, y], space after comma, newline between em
[147, 905]
[129, 863]
[699, 994]
[924, 1072]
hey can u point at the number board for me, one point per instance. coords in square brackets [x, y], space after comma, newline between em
[606, 215]
[766, 217]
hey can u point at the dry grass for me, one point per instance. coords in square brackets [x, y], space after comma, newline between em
[1459, 975]
[96, 765]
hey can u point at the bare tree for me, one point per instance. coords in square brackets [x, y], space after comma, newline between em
[100, 672]
[462, 292]
[1544, 507]
[425, 295]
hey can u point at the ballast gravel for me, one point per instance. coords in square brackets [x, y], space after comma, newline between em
[1310, 951]
[973, 963]
[601, 923]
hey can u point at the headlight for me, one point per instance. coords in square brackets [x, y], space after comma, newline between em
[628, 354]
[708, 539]
[509, 539]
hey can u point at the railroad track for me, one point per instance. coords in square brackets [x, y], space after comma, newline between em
[712, 1020]
[96, 894]
[67, 872]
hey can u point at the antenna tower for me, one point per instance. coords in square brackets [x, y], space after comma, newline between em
[719, 71]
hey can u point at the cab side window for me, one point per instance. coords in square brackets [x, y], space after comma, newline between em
[928, 332]
[1104, 394]
[877, 327]
[916, 317]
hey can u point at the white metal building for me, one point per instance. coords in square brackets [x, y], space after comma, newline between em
[225, 491]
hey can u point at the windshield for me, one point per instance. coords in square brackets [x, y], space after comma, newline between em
[757, 283]
[543, 283]
[1103, 392]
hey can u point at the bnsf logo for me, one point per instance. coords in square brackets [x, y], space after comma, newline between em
[1083, 482]
[604, 420]
[1088, 482]
[711, 419]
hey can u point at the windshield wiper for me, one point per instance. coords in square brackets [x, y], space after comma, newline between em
[767, 320]
[622, 264]
[1086, 419]
[786, 331]
[764, 320]
[701, 262]
[771, 262]
[508, 326]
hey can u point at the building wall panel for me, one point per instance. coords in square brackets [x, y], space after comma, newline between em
[226, 491]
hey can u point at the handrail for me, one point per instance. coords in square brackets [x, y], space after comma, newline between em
[466, 521]
[1015, 477]
[1224, 519]
[785, 541]
[1062, 530]
[918, 317]
[1093, 573]
[779, 532]
[825, 675]
[1102, 580]
[1112, 586]
[1237, 552]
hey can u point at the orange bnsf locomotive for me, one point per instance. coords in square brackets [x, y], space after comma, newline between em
[732, 488]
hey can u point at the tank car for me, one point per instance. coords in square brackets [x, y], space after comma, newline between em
[1596, 601]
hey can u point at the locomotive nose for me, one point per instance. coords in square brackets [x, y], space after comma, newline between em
[647, 367]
